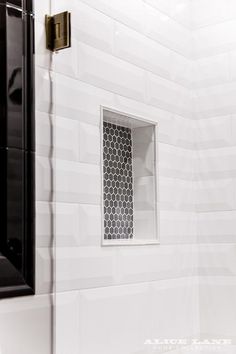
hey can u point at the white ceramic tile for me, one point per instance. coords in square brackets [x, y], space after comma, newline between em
[215, 132]
[175, 162]
[217, 298]
[180, 10]
[178, 227]
[67, 325]
[103, 311]
[144, 191]
[150, 55]
[168, 32]
[45, 187]
[92, 27]
[43, 57]
[129, 12]
[66, 224]
[217, 227]
[215, 11]
[77, 225]
[107, 72]
[77, 182]
[217, 260]
[215, 39]
[45, 133]
[216, 195]
[144, 225]
[84, 267]
[89, 142]
[65, 61]
[44, 270]
[67, 138]
[57, 137]
[168, 96]
[209, 71]
[217, 163]
[41, 8]
[215, 100]
[83, 103]
[44, 224]
[29, 320]
[89, 225]
[176, 194]
[43, 88]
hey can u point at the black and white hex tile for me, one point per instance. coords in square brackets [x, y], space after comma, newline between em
[117, 182]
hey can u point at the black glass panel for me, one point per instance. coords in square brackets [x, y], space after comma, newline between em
[17, 140]
[15, 119]
[16, 219]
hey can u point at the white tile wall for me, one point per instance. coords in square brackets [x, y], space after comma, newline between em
[167, 61]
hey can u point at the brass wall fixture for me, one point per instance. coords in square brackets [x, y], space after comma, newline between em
[58, 31]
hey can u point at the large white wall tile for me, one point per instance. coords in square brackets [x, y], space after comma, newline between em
[178, 227]
[109, 73]
[168, 32]
[77, 225]
[217, 306]
[213, 195]
[102, 313]
[129, 12]
[80, 101]
[180, 10]
[152, 56]
[43, 88]
[77, 182]
[217, 227]
[168, 96]
[29, 321]
[90, 143]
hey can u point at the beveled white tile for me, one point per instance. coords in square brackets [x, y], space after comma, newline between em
[44, 270]
[177, 194]
[66, 138]
[109, 73]
[43, 57]
[215, 132]
[176, 162]
[84, 101]
[215, 39]
[45, 132]
[216, 195]
[44, 224]
[168, 96]
[89, 228]
[92, 27]
[30, 319]
[217, 296]
[177, 9]
[89, 142]
[144, 191]
[44, 179]
[178, 227]
[67, 323]
[77, 182]
[168, 32]
[77, 225]
[43, 88]
[129, 12]
[211, 71]
[217, 227]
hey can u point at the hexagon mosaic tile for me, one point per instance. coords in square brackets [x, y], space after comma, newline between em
[117, 182]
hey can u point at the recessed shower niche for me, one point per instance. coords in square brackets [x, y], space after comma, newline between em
[129, 175]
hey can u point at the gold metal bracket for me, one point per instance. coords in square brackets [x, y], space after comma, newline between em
[58, 31]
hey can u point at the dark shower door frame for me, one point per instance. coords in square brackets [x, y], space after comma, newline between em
[17, 149]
